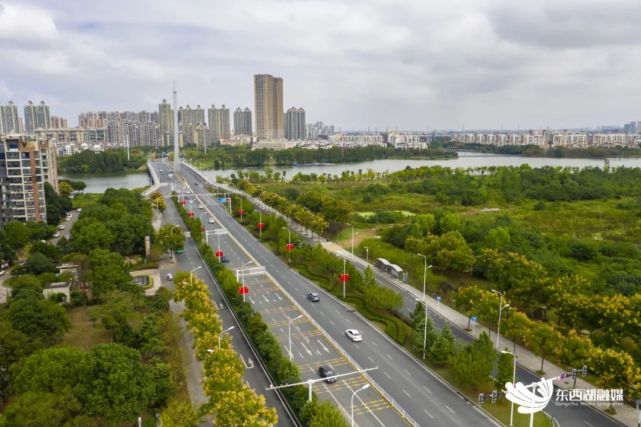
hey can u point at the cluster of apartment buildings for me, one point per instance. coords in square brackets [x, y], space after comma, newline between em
[547, 138]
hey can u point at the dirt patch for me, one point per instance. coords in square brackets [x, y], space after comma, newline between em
[83, 334]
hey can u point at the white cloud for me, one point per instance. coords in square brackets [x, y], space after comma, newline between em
[357, 63]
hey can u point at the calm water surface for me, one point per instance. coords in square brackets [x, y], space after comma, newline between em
[98, 184]
[464, 160]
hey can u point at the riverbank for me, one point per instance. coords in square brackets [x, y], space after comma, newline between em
[552, 152]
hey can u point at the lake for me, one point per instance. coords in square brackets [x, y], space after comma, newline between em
[99, 183]
[465, 159]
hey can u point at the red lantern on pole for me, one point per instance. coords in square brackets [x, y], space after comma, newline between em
[243, 290]
[183, 202]
[241, 212]
[219, 253]
[190, 214]
[289, 247]
[261, 226]
[344, 277]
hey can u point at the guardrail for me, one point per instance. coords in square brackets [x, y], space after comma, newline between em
[154, 179]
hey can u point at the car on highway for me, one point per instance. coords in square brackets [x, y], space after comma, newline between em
[61, 227]
[325, 372]
[354, 335]
[170, 277]
[201, 207]
[313, 297]
[224, 259]
[211, 220]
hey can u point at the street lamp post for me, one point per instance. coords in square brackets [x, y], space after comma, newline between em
[171, 234]
[352, 239]
[260, 221]
[513, 381]
[289, 244]
[365, 387]
[425, 268]
[242, 276]
[501, 307]
[366, 254]
[220, 335]
[289, 333]
[191, 275]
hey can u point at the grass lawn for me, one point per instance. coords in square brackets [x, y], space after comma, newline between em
[84, 200]
[83, 334]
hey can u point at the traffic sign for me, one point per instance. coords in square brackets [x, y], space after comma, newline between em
[222, 199]
[474, 318]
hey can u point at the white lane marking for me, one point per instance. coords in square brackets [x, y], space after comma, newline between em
[407, 372]
[265, 298]
[370, 359]
[282, 331]
[427, 390]
[364, 404]
[286, 349]
[428, 414]
[346, 411]
[266, 310]
[278, 296]
[387, 375]
[374, 342]
[321, 344]
[588, 424]
[388, 356]
[450, 409]
[332, 322]
[406, 393]
[300, 354]
[306, 349]
[321, 313]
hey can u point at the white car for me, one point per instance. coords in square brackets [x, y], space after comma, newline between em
[61, 227]
[2, 272]
[211, 220]
[79, 210]
[354, 335]
[56, 234]
[201, 207]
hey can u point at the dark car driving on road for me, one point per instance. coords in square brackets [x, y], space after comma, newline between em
[313, 297]
[325, 372]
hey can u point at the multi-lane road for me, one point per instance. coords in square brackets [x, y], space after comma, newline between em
[190, 260]
[413, 388]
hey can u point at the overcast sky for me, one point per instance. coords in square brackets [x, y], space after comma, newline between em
[412, 64]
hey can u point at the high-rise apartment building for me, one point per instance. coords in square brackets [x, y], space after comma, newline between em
[166, 123]
[25, 165]
[191, 116]
[36, 117]
[9, 120]
[218, 123]
[268, 106]
[58, 123]
[295, 124]
[92, 120]
[243, 121]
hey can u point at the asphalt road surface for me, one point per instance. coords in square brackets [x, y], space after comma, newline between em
[414, 388]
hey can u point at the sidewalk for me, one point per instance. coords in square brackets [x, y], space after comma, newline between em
[525, 358]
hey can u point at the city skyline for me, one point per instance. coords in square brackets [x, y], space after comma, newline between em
[412, 66]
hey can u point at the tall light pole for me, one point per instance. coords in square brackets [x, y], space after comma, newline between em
[365, 387]
[352, 239]
[513, 381]
[289, 333]
[260, 222]
[220, 335]
[425, 268]
[289, 244]
[366, 254]
[501, 307]
[242, 276]
[176, 141]
[191, 275]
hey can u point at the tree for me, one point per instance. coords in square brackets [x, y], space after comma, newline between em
[17, 234]
[35, 409]
[326, 415]
[443, 347]
[383, 298]
[117, 385]
[107, 271]
[88, 234]
[41, 320]
[244, 407]
[420, 329]
[38, 263]
[544, 340]
[171, 240]
[504, 370]
[475, 362]
[447, 252]
[51, 370]
[65, 188]
[179, 414]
